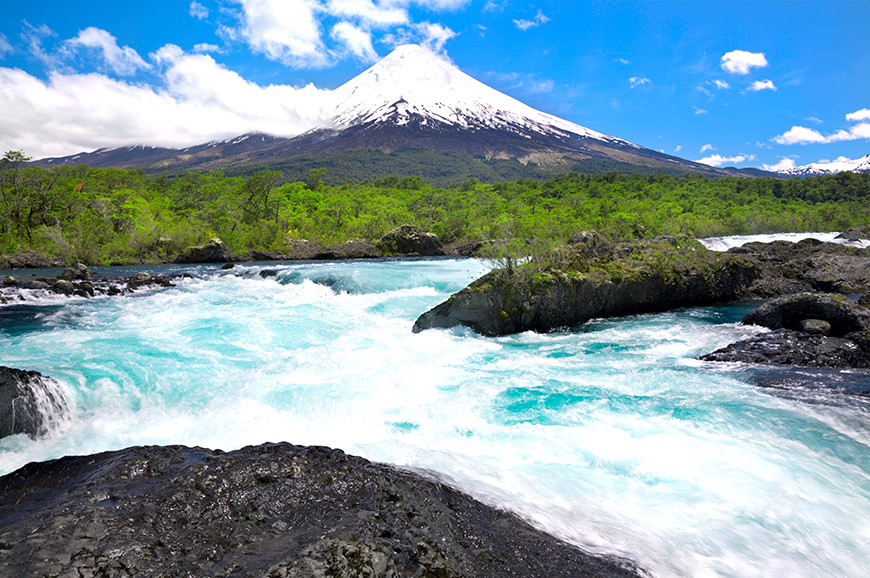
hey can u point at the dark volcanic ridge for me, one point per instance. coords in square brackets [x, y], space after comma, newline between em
[272, 510]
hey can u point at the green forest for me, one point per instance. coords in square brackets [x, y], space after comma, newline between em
[101, 216]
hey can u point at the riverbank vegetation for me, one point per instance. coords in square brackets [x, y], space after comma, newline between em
[109, 215]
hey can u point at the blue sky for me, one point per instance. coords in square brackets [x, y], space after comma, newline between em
[740, 83]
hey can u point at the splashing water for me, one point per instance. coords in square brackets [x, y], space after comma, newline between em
[612, 436]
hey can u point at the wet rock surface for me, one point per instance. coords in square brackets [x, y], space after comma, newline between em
[790, 347]
[78, 281]
[811, 330]
[273, 510]
[30, 403]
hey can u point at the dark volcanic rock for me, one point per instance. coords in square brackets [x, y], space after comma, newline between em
[788, 312]
[29, 403]
[214, 251]
[273, 510]
[856, 234]
[410, 240]
[808, 265]
[789, 347]
[353, 249]
[27, 260]
[640, 277]
[78, 272]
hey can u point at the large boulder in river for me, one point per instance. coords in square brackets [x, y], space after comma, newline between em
[788, 312]
[410, 240]
[30, 403]
[566, 287]
[274, 510]
[790, 347]
[214, 251]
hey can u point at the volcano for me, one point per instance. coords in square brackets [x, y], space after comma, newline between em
[413, 100]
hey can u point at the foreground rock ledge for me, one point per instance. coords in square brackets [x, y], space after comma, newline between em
[273, 510]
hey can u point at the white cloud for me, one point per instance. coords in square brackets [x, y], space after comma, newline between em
[286, 31]
[538, 20]
[699, 110]
[198, 11]
[381, 14]
[759, 85]
[206, 47]
[707, 147]
[741, 61]
[202, 101]
[434, 35]
[5, 46]
[804, 135]
[816, 120]
[783, 164]
[704, 91]
[636, 81]
[719, 160]
[678, 149]
[863, 114]
[720, 84]
[124, 61]
[33, 37]
[356, 40]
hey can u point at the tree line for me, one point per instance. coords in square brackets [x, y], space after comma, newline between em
[102, 216]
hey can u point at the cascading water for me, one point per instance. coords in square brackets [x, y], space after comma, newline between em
[612, 436]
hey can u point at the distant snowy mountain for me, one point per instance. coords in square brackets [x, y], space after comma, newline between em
[840, 165]
[414, 100]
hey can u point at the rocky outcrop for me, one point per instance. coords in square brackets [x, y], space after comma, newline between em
[353, 249]
[811, 330]
[297, 249]
[856, 234]
[214, 251]
[790, 347]
[28, 260]
[568, 287]
[410, 240]
[77, 281]
[29, 403]
[273, 510]
[841, 315]
[807, 266]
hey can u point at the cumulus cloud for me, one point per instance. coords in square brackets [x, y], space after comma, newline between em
[636, 81]
[804, 135]
[206, 47]
[286, 31]
[198, 11]
[858, 115]
[538, 20]
[434, 35]
[759, 85]
[741, 61]
[719, 160]
[707, 147]
[356, 40]
[782, 165]
[124, 61]
[202, 101]
[720, 84]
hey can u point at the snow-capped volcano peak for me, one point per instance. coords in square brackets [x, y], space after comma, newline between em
[861, 165]
[413, 84]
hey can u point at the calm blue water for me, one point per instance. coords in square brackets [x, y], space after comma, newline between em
[612, 436]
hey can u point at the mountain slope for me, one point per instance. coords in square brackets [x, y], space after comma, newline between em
[413, 99]
[861, 165]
